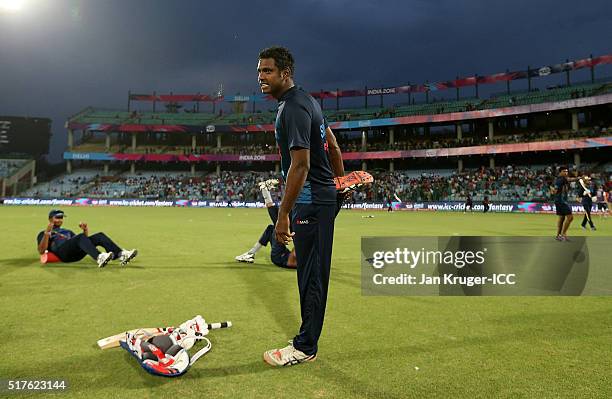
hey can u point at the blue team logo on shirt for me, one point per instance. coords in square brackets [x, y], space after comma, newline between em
[322, 129]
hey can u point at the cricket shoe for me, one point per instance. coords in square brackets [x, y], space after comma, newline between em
[126, 256]
[270, 184]
[104, 258]
[246, 257]
[287, 356]
[352, 181]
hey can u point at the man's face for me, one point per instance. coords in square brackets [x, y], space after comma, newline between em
[564, 172]
[57, 221]
[271, 79]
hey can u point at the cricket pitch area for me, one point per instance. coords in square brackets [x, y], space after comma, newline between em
[375, 347]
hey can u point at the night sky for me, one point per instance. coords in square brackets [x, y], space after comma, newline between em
[59, 56]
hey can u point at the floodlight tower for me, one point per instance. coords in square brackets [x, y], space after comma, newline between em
[11, 5]
[218, 94]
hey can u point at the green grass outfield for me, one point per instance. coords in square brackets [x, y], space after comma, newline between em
[476, 347]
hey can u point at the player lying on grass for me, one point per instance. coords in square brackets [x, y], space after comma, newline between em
[71, 247]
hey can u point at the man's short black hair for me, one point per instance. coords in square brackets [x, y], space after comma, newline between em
[562, 168]
[281, 56]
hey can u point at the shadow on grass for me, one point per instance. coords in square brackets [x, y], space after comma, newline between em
[227, 266]
[84, 265]
[97, 370]
[13, 264]
[19, 262]
[256, 366]
[348, 279]
[270, 286]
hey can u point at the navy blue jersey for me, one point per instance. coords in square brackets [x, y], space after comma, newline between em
[561, 185]
[58, 237]
[279, 253]
[300, 124]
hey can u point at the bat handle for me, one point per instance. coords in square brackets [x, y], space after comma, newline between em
[223, 324]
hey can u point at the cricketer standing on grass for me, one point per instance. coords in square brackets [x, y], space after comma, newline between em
[562, 207]
[602, 201]
[585, 195]
[308, 167]
[468, 203]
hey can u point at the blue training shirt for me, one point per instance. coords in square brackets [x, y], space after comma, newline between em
[58, 237]
[561, 184]
[300, 124]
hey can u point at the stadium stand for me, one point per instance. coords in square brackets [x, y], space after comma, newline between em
[176, 149]
[445, 140]
[65, 185]
[10, 166]
[16, 174]
[163, 185]
[438, 107]
[509, 183]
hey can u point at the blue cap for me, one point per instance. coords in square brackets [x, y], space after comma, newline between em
[56, 213]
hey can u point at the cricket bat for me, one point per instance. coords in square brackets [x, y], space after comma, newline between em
[113, 340]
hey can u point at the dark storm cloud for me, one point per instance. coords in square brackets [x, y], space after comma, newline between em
[56, 57]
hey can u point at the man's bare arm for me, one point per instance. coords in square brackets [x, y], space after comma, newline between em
[44, 243]
[85, 228]
[335, 155]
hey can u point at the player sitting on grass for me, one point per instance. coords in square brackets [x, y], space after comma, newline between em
[71, 247]
[280, 255]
